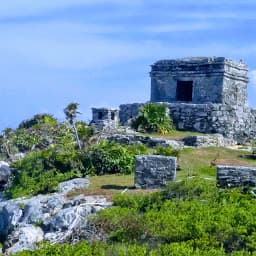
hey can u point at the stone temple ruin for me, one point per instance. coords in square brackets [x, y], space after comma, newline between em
[207, 95]
[105, 118]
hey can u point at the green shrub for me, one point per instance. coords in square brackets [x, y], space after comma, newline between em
[38, 119]
[40, 172]
[138, 149]
[191, 217]
[166, 151]
[190, 188]
[108, 157]
[153, 118]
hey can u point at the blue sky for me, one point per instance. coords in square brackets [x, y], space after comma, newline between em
[98, 53]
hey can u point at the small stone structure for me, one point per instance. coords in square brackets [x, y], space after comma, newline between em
[207, 95]
[236, 176]
[153, 171]
[105, 118]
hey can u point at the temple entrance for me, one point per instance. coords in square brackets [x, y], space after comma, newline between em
[100, 115]
[184, 90]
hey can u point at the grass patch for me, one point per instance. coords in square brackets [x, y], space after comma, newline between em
[200, 162]
[174, 135]
[110, 185]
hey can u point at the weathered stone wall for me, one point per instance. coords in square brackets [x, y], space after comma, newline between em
[152, 171]
[127, 139]
[234, 122]
[128, 111]
[215, 140]
[215, 80]
[236, 176]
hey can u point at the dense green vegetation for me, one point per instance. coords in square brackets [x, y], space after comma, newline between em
[57, 152]
[41, 171]
[193, 211]
[192, 217]
[153, 118]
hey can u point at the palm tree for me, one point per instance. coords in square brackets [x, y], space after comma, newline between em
[71, 114]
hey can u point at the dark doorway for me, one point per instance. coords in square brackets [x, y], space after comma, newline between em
[184, 90]
[112, 115]
[100, 115]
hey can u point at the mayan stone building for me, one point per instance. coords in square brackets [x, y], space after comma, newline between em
[199, 80]
[208, 95]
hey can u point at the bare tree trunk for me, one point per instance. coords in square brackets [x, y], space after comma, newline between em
[77, 138]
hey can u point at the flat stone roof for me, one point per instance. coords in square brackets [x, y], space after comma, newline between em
[201, 61]
[197, 66]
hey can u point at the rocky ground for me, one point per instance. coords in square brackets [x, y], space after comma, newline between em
[55, 218]
[59, 218]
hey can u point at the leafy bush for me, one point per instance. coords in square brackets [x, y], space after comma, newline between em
[153, 118]
[108, 157]
[122, 249]
[166, 151]
[40, 172]
[38, 120]
[85, 132]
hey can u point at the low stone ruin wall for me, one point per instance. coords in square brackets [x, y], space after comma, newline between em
[236, 176]
[153, 171]
[234, 122]
[128, 111]
[127, 139]
[215, 140]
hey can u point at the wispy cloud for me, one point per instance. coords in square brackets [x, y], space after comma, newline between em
[16, 8]
[180, 27]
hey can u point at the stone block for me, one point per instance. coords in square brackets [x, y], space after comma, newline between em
[153, 171]
[236, 176]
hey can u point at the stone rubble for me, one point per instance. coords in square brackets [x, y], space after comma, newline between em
[148, 141]
[55, 218]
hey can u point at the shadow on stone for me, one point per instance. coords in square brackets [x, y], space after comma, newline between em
[248, 156]
[117, 187]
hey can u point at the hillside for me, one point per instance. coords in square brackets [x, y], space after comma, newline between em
[60, 179]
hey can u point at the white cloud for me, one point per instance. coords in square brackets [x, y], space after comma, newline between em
[16, 8]
[72, 46]
[176, 27]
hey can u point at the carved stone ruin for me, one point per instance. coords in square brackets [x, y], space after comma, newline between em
[236, 176]
[154, 171]
[105, 118]
[207, 95]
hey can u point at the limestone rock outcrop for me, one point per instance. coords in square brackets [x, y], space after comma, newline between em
[56, 217]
